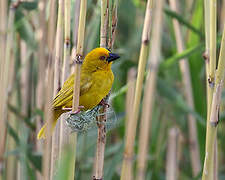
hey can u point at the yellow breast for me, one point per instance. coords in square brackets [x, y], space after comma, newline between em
[101, 85]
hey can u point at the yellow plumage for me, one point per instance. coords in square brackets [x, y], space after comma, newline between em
[96, 81]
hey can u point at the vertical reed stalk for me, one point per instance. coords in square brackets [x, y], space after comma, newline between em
[211, 68]
[3, 30]
[40, 95]
[5, 65]
[171, 157]
[42, 62]
[57, 84]
[213, 118]
[149, 93]
[132, 126]
[58, 47]
[184, 68]
[101, 140]
[207, 41]
[11, 163]
[52, 26]
[78, 59]
[130, 93]
[46, 169]
[76, 22]
[64, 132]
[222, 16]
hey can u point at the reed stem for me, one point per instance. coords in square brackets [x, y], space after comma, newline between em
[77, 68]
[46, 168]
[126, 172]
[171, 157]
[184, 68]
[4, 74]
[213, 118]
[64, 131]
[208, 170]
[101, 140]
[57, 84]
[149, 92]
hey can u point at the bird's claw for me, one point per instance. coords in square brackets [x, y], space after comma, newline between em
[104, 103]
[75, 112]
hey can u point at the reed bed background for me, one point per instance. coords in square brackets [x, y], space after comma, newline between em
[167, 97]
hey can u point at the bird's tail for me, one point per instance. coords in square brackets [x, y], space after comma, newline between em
[42, 132]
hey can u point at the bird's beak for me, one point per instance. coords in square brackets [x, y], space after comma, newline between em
[112, 57]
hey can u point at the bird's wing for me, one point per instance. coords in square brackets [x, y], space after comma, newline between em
[65, 95]
[85, 84]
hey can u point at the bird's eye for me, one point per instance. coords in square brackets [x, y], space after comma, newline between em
[102, 58]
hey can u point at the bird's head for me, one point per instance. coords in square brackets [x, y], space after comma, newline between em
[99, 58]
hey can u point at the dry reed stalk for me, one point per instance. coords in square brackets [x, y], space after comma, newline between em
[3, 29]
[149, 92]
[58, 48]
[131, 76]
[48, 119]
[51, 29]
[4, 75]
[11, 162]
[222, 16]
[184, 68]
[78, 59]
[101, 139]
[209, 166]
[64, 131]
[57, 84]
[126, 172]
[171, 157]
[76, 22]
[40, 95]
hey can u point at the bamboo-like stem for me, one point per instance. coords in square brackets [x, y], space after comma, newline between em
[77, 68]
[64, 132]
[184, 68]
[40, 95]
[210, 72]
[58, 47]
[3, 30]
[11, 162]
[57, 84]
[149, 92]
[48, 119]
[101, 139]
[76, 22]
[213, 120]
[212, 44]
[222, 16]
[104, 23]
[5, 65]
[131, 76]
[52, 26]
[132, 126]
[171, 157]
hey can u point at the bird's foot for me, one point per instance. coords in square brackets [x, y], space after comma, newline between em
[75, 112]
[104, 103]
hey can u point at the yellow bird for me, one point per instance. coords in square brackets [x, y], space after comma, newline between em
[95, 83]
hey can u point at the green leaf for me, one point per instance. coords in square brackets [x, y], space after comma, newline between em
[180, 18]
[36, 160]
[186, 53]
